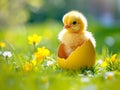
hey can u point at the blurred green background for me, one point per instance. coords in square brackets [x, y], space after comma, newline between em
[20, 18]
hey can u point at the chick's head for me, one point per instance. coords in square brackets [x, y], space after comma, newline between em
[74, 21]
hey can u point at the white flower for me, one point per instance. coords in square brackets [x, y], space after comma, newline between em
[85, 79]
[50, 63]
[109, 75]
[7, 54]
[100, 61]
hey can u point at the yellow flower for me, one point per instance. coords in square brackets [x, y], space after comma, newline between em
[109, 75]
[45, 52]
[104, 64]
[38, 57]
[34, 39]
[2, 44]
[27, 66]
[113, 57]
[34, 62]
[41, 54]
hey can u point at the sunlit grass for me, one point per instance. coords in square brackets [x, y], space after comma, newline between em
[20, 69]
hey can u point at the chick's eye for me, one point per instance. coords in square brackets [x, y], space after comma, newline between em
[74, 22]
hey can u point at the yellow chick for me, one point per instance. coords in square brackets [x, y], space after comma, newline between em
[74, 33]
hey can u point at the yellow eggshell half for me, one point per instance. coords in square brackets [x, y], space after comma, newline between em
[83, 56]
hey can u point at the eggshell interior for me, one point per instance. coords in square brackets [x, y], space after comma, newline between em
[83, 56]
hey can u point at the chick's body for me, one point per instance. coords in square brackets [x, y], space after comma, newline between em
[74, 33]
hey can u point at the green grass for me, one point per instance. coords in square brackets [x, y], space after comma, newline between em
[52, 77]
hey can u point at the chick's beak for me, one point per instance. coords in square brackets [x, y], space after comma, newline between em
[67, 26]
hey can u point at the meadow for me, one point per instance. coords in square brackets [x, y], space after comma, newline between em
[28, 59]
